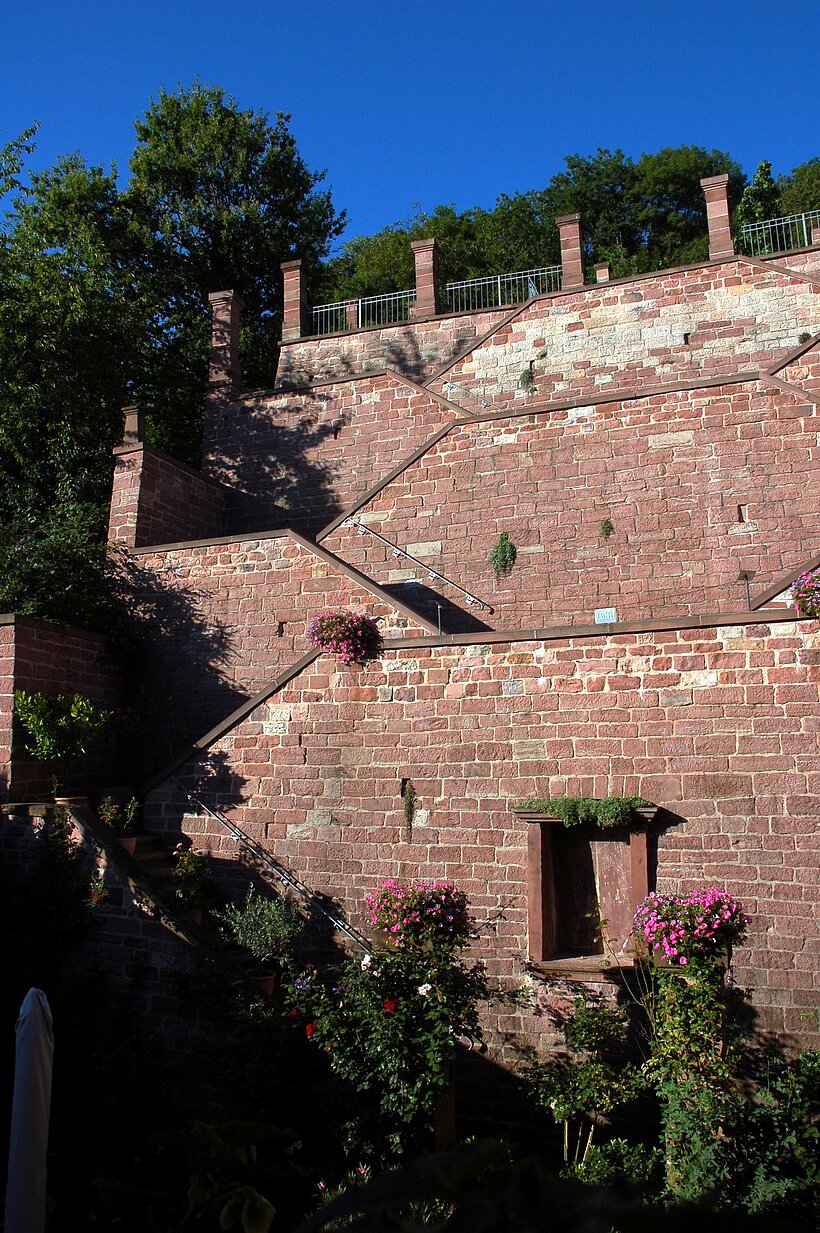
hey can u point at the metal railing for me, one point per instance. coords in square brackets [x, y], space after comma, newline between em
[433, 575]
[469, 295]
[279, 871]
[776, 235]
[359, 314]
[495, 290]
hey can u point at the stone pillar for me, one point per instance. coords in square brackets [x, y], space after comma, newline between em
[716, 192]
[426, 256]
[815, 235]
[226, 310]
[572, 257]
[133, 429]
[602, 272]
[352, 315]
[295, 315]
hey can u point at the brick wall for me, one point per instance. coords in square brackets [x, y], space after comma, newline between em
[670, 327]
[157, 500]
[299, 459]
[40, 657]
[697, 484]
[719, 725]
[227, 618]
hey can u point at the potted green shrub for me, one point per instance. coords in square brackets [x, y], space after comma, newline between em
[59, 730]
[192, 879]
[269, 927]
[123, 820]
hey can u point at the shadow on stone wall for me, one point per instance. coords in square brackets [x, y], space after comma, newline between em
[275, 470]
[177, 653]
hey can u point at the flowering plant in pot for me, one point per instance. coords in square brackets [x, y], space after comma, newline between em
[433, 915]
[806, 593]
[123, 819]
[352, 636]
[686, 929]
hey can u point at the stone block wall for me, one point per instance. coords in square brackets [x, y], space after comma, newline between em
[698, 485]
[224, 618]
[718, 725]
[300, 459]
[157, 500]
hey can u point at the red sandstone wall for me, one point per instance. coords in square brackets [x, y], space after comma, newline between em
[719, 725]
[670, 327]
[227, 618]
[415, 348]
[6, 699]
[156, 500]
[299, 459]
[669, 472]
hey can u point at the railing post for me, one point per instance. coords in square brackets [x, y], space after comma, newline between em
[572, 257]
[226, 315]
[602, 272]
[426, 257]
[716, 192]
[352, 314]
[295, 314]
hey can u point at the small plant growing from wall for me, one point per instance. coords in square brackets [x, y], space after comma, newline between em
[804, 336]
[503, 556]
[526, 381]
[408, 802]
[607, 528]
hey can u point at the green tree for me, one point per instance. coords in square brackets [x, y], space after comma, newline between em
[221, 196]
[670, 205]
[800, 191]
[761, 198]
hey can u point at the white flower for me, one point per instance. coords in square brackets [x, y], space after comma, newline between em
[366, 962]
[425, 990]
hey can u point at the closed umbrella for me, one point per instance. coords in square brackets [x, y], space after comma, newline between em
[26, 1186]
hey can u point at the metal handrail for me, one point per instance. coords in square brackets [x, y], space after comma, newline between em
[284, 875]
[774, 235]
[432, 574]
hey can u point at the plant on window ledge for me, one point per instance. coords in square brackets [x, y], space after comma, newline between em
[806, 593]
[575, 810]
[353, 636]
[503, 556]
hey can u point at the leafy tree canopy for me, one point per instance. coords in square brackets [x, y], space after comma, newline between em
[642, 215]
[800, 191]
[103, 302]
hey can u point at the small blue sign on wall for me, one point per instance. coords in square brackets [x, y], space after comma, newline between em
[605, 616]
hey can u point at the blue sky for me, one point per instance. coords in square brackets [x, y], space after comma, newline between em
[452, 102]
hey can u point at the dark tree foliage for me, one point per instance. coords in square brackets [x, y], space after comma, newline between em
[800, 191]
[638, 216]
[104, 302]
[221, 197]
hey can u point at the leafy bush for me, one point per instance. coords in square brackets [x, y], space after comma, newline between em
[268, 927]
[59, 727]
[192, 877]
[122, 818]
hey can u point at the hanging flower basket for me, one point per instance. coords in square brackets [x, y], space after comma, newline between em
[677, 929]
[806, 594]
[353, 637]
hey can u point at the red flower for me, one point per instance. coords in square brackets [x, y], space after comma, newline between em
[391, 1005]
[294, 1014]
[310, 1028]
